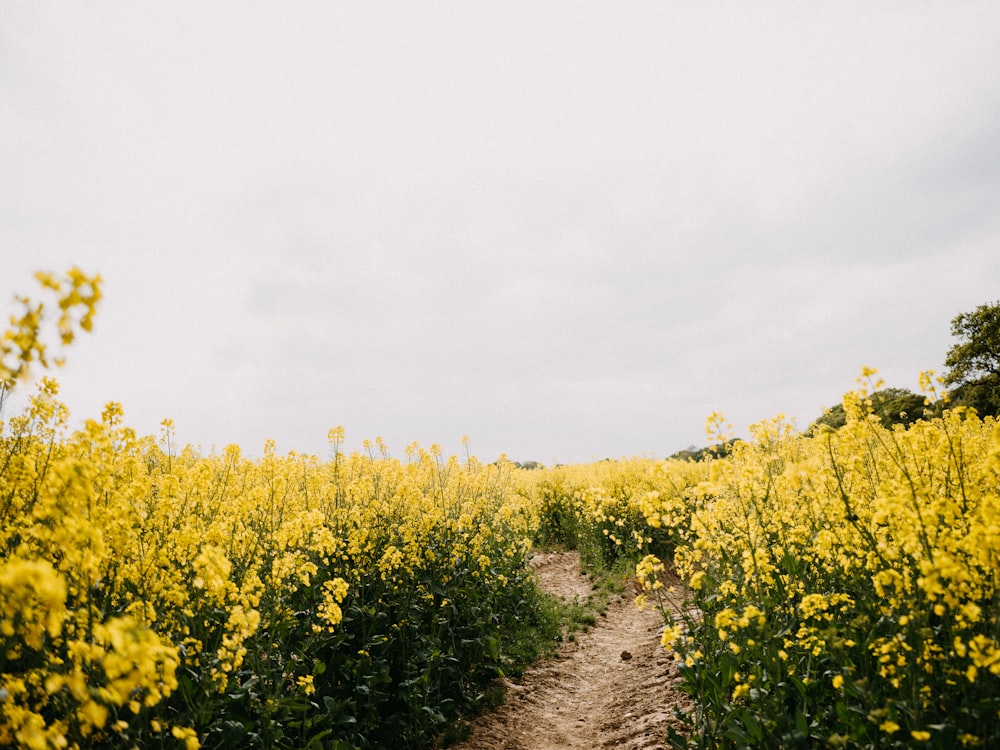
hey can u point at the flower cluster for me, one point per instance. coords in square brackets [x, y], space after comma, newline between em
[843, 585]
[155, 597]
[847, 586]
[27, 341]
[615, 510]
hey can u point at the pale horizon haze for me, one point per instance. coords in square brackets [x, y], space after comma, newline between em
[567, 230]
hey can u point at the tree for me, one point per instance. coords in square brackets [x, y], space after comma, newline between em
[694, 453]
[890, 405]
[974, 362]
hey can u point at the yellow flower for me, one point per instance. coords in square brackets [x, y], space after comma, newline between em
[329, 611]
[671, 634]
[188, 736]
[306, 683]
[32, 601]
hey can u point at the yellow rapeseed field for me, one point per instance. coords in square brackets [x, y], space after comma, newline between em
[842, 584]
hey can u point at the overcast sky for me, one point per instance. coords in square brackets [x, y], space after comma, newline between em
[568, 230]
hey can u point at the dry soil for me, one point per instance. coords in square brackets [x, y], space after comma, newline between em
[612, 687]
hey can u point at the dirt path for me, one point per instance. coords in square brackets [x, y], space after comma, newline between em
[614, 687]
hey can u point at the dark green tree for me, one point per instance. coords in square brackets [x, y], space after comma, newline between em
[693, 453]
[898, 406]
[974, 362]
[890, 405]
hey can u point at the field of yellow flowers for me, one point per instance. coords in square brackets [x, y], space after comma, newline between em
[153, 598]
[842, 585]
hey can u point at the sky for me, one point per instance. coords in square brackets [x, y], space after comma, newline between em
[567, 230]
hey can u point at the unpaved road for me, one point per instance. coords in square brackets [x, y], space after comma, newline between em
[614, 687]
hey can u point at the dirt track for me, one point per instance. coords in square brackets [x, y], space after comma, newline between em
[614, 687]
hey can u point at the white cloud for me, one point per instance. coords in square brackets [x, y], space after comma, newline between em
[567, 230]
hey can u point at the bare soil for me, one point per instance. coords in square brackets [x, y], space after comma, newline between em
[613, 687]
